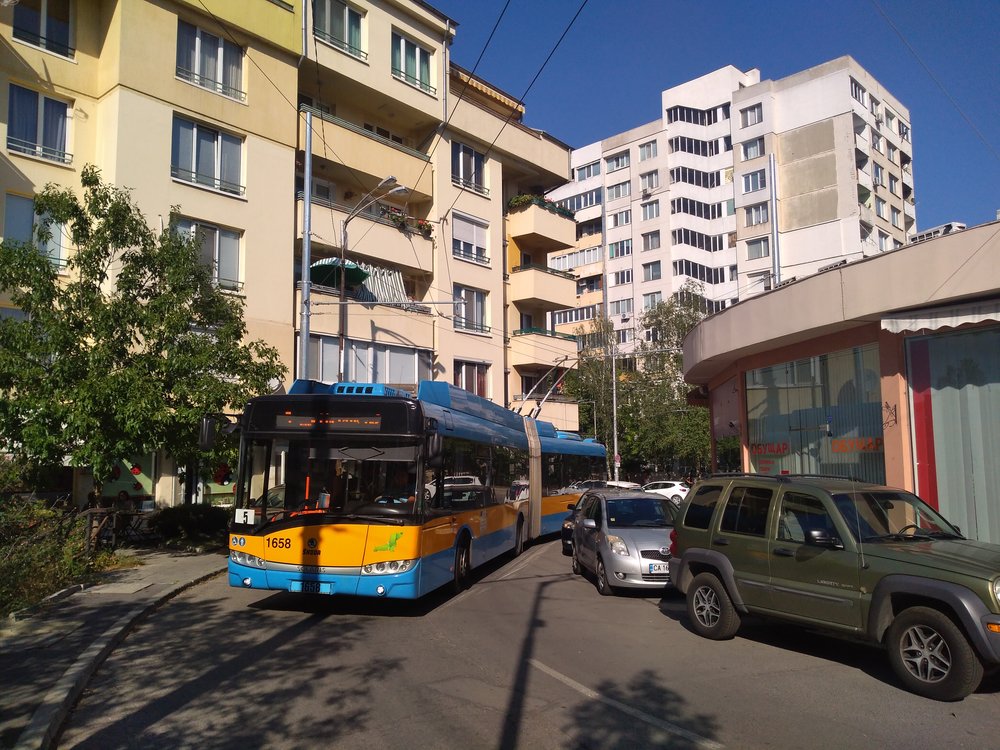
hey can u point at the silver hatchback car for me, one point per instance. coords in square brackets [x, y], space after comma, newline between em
[623, 538]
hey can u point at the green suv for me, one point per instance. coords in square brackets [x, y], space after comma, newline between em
[842, 555]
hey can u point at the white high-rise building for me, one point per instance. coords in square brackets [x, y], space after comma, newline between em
[742, 184]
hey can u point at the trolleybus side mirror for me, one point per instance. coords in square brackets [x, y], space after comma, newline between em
[435, 451]
[208, 432]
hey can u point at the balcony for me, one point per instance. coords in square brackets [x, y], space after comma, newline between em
[866, 215]
[535, 228]
[540, 347]
[542, 288]
[375, 238]
[370, 154]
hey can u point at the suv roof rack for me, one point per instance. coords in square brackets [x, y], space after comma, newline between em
[783, 477]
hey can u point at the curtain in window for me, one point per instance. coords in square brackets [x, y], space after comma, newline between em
[336, 20]
[186, 34]
[182, 148]
[28, 18]
[23, 115]
[205, 156]
[354, 30]
[232, 68]
[57, 25]
[425, 68]
[410, 52]
[480, 380]
[208, 237]
[18, 218]
[329, 359]
[231, 165]
[229, 259]
[397, 43]
[358, 358]
[208, 58]
[401, 365]
[54, 128]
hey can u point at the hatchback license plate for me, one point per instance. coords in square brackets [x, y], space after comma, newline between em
[660, 567]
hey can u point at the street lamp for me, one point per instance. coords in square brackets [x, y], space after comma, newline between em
[368, 199]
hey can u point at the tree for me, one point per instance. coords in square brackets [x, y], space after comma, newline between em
[124, 352]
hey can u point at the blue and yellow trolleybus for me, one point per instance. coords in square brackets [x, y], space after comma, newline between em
[361, 489]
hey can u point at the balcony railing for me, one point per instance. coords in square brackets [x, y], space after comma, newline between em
[361, 131]
[468, 324]
[36, 149]
[544, 269]
[211, 84]
[480, 258]
[544, 332]
[207, 180]
[413, 81]
[51, 45]
[341, 44]
[476, 187]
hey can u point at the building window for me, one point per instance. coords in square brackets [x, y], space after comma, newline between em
[576, 258]
[220, 251]
[757, 248]
[754, 148]
[695, 177]
[904, 131]
[890, 120]
[473, 377]
[649, 181]
[752, 115]
[588, 170]
[756, 214]
[650, 210]
[624, 335]
[651, 271]
[467, 168]
[877, 142]
[620, 219]
[649, 301]
[582, 200]
[206, 156]
[209, 61]
[754, 181]
[878, 174]
[620, 306]
[618, 278]
[616, 162]
[620, 249]
[647, 150]
[892, 153]
[651, 241]
[45, 24]
[879, 207]
[621, 190]
[19, 225]
[883, 242]
[470, 312]
[37, 125]
[339, 25]
[858, 91]
[894, 212]
[468, 239]
[893, 184]
[411, 63]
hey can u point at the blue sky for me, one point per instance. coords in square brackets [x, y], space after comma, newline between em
[581, 96]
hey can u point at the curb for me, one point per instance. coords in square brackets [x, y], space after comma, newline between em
[46, 722]
[27, 612]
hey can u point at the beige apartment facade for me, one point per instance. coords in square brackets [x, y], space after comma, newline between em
[204, 106]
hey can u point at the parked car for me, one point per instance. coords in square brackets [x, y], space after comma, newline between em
[857, 559]
[585, 484]
[622, 537]
[623, 485]
[674, 489]
[567, 526]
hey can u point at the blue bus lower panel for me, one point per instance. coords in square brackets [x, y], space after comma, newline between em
[552, 523]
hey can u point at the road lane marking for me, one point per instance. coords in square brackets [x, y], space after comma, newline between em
[666, 726]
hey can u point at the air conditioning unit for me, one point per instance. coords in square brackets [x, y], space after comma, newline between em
[625, 319]
[646, 194]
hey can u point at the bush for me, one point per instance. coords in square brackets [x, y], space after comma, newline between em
[42, 550]
[190, 524]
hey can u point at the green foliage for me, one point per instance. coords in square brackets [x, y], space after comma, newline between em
[191, 524]
[127, 350]
[657, 429]
[42, 550]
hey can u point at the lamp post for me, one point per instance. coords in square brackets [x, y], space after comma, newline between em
[368, 199]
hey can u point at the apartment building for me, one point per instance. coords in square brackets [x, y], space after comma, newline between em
[741, 185]
[204, 106]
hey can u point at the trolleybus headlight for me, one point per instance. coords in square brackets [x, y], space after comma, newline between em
[387, 568]
[242, 558]
[617, 545]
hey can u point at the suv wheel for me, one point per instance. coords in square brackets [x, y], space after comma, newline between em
[603, 587]
[710, 609]
[931, 655]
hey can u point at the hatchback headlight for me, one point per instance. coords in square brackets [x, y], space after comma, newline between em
[617, 545]
[387, 568]
[242, 558]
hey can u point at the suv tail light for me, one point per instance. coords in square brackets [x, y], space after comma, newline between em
[673, 542]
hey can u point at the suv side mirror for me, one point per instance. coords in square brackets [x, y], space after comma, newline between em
[822, 538]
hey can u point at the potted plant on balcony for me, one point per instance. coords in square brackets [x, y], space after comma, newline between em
[423, 226]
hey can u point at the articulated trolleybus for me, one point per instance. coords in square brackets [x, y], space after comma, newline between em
[361, 489]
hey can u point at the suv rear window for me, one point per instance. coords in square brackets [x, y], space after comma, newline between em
[702, 505]
[746, 511]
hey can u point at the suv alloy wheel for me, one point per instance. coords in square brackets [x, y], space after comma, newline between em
[710, 609]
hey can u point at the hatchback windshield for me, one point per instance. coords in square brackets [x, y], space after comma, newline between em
[631, 512]
[886, 515]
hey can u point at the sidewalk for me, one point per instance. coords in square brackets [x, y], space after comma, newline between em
[48, 654]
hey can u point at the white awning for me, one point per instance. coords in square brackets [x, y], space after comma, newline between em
[942, 317]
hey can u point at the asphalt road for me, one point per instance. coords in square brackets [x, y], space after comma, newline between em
[529, 657]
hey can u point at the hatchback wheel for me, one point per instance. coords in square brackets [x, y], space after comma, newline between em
[710, 609]
[931, 655]
[577, 568]
[603, 587]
